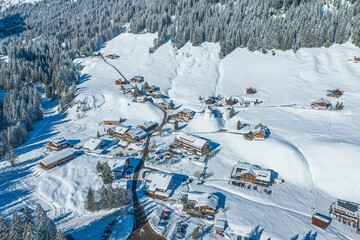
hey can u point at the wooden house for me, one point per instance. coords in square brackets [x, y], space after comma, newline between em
[243, 171]
[230, 102]
[219, 226]
[250, 91]
[148, 126]
[185, 115]
[112, 56]
[346, 212]
[322, 104]
[320, 221]
[118, 132]
[111, 121]
[335, 93]
[140, 99]
[200, 204]
[127, 88]
[356, 59]
[155, 94]
[56, 159]
[57, 144]
[209, 101]
[151, 89]
[137, 79]
[135, 135]
[160, 185]
[93, 143]
[200, 146]
[260, 132]
[121, 82]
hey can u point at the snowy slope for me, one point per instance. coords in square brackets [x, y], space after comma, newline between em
[314, 151]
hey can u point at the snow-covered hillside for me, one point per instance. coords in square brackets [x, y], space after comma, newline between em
[313, 151]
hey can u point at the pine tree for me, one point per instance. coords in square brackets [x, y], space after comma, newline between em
[45, 227]
[171, 104]
[59, 235]
[29, 232]
[90, 201]
[176, 125]
[232, 112]
[238, 126]
[28, 218]
[99, 167]
[4, 228]
[16, 229]
[97, 134]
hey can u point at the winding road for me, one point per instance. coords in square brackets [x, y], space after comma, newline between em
[142, 228]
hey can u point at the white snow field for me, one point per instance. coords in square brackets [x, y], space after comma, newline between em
[315, 152]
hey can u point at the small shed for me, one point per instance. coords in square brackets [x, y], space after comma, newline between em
[320, 221]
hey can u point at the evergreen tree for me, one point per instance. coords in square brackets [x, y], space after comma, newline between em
[16, 229]
[176, 125]
[171, 104]
[239, 125]
[4, 228]
[59, 235]
[98, 134]
[232, 112]
[45, 227]
[90, 201]
[99, 167]
[28, 218]
[29, 232]
[136, 91]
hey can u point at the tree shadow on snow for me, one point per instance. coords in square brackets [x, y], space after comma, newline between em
[255, 234]
[310, 236]
[85, 77]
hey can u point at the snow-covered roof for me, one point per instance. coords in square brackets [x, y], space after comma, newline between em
[56, 156]
[138, 77]
[261, 173]
[58, 141]
[204, 199]
[120, 129]
[148, 124]
[194, 141]
[322, 100]
[111, 119]
[220, 223]
[127, 87]
[137, 133]
[141, 98]
[93, 144]
[159, 180]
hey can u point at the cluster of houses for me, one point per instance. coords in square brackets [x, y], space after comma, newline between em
[127, 87]
[343, 211]
[161, 185]
[130, 134]
[324, 104]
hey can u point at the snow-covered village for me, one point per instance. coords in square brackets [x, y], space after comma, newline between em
[142, 139]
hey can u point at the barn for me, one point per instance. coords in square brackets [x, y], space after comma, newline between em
[56, 159]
